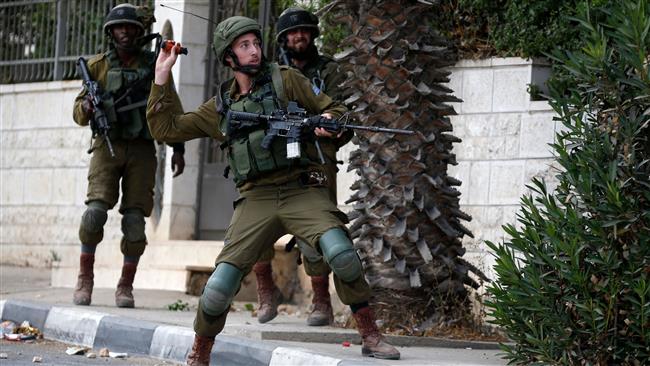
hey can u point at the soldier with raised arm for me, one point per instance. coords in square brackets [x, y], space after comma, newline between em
[278, 195]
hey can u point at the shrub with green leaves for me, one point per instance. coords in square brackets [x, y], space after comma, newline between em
[573, 281]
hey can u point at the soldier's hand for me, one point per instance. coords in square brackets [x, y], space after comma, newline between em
[87, 105]
[321, 132]
[178, 164]
[164, 63]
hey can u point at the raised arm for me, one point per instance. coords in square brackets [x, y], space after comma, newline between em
[164, 112]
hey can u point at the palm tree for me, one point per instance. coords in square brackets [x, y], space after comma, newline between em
[406, 217]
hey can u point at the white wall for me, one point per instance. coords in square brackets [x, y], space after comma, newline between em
[43, 168]
[505, 144]
[43, 163]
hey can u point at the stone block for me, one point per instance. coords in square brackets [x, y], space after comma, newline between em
[81, 186]
[171, 342]
[477, 91]
[183, 220]
[510, 86]
[63, 186]
[12, 187]
[191, 96]
[124, 335]
[8, 111]
[183, 189]
[38, 187]
[461, 172]
[510, 61]
[542, 169]
[537, 131]
[28, 114]
[72, 325]
[479, 183]
[506, 182]
[19, 311]
[456, 84]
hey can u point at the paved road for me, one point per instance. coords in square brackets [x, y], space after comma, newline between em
[53, 353]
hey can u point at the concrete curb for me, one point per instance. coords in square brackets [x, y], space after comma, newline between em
[122, 334]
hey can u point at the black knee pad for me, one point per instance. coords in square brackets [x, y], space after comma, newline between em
[91, 228]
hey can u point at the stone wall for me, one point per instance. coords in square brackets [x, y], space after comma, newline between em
[505, 144]
[43, 160]
[43, 167]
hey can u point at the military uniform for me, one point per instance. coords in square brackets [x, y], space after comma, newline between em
[271, 204]
[125, 90]
[325, 77]
[278, 195]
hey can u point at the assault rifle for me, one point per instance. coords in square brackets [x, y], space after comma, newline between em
[292, 124]
[99, 124]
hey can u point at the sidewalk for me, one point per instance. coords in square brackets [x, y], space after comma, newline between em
[152, 329]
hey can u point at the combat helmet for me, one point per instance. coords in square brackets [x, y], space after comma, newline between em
[293, 18]
[227, 31]
[123, 13]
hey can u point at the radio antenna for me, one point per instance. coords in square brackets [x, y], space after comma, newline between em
[187, 12]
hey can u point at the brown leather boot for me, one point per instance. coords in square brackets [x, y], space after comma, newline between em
[124, 292]
[373, 344]
[84, 290]
[201, 349]
[322, 313]
[269, 296]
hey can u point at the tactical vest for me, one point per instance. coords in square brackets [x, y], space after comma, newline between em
[246, 158]
[313, 73]
[127, 91]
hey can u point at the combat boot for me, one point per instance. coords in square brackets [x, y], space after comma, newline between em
[321, 313]
[269, 296]
[84, 290]
[373, 344]
[124, 292]
[201, 349]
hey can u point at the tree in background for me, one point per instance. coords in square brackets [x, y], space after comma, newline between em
[572, 284]
[406, 217]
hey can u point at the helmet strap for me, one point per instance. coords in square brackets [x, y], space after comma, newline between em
[246, 69]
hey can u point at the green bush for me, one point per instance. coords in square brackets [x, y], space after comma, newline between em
[573, 281]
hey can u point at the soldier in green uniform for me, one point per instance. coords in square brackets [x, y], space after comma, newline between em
[278, 196]
[296, 30]
[124, 73]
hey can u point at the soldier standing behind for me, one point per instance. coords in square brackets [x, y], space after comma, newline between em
[296, 31]
[278, 195]
[124, 73]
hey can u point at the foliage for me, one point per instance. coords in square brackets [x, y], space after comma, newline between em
[179, 305]
[573, 282]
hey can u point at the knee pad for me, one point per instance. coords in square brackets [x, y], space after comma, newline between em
[133, 225]
[308, 252]
[221, 288]
[132, 248]
[91, 229]
[340, 255]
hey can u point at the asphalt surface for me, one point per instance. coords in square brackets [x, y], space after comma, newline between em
[286, 340]
[53, 353]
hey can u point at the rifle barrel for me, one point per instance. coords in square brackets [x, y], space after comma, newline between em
[379, 129]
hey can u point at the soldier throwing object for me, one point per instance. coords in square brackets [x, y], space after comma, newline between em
[278, 196]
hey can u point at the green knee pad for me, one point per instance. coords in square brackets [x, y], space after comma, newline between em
[91, 229]
[132, 248]
[340, 254]
[133, 225]
[221, 288]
